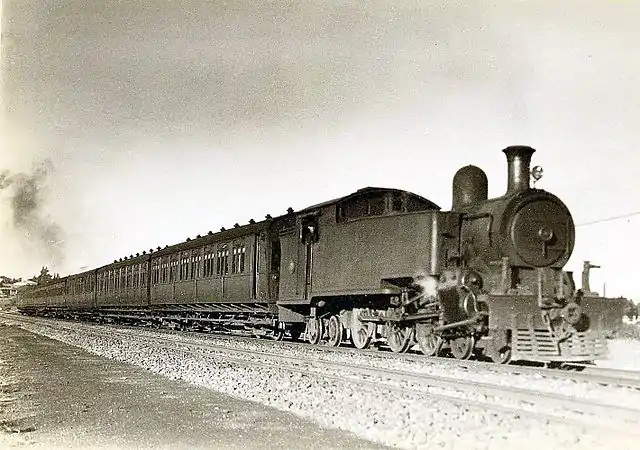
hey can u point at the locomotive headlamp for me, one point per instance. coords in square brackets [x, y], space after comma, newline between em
[537, 172]
[545, 234]
[472, 279]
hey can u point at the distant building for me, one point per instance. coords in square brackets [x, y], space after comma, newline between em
[20, 284]
[7, 290]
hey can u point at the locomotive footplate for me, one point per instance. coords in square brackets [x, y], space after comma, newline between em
[533, 338]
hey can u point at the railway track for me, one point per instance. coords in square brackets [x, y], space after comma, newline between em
[569, 371]
[552, 406]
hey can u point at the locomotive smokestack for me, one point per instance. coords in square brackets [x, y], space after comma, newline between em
[519, 161]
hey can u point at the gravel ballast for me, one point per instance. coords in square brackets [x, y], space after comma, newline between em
[56, 396]
[387, 417]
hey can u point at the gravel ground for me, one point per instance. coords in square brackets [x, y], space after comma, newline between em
[624, 354]
[57, 396]
[391, 418]
[620, 396]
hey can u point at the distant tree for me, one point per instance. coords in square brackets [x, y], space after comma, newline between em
[8, 280]
[631, 309]
[44, 276]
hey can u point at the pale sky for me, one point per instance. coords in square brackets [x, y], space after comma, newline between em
[166, 119]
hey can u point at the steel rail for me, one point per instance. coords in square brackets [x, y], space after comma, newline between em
[569, 371]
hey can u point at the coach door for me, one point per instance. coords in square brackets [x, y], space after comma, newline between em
[308, 237]
[288, 285]
[297, 261]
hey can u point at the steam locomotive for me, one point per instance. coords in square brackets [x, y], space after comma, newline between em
[376, 267]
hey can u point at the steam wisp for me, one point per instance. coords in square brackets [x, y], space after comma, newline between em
[26, 197]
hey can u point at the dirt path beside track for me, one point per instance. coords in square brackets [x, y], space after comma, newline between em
[53, 395]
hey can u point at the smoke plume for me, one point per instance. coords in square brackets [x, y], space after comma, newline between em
[26, 196]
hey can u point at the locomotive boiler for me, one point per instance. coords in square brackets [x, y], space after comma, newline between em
[379, 266]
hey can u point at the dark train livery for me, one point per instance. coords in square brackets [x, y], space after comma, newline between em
[380, 266]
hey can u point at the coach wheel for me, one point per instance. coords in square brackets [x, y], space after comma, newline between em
[429, 342]
[335, 331]
[315, 330]
[361, 332]
[462, 347]
[399, 338]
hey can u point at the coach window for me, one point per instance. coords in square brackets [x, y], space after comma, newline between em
[143, 274]
[208, 262]
[238, 259]
[309, 230]
[136, 275]
[165, 270]
[234, 260]
[358, 207]
[376, 205]
[155, 273]
[398, 202]
[222, 261]
[173, 269]
[184, 266]
[195, 264]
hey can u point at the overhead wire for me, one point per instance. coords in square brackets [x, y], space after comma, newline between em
[608, 219]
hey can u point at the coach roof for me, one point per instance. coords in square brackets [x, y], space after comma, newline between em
[368, 191]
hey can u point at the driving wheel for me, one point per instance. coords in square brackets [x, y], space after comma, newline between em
[429, 342]
[399, 338]
[462, 347]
